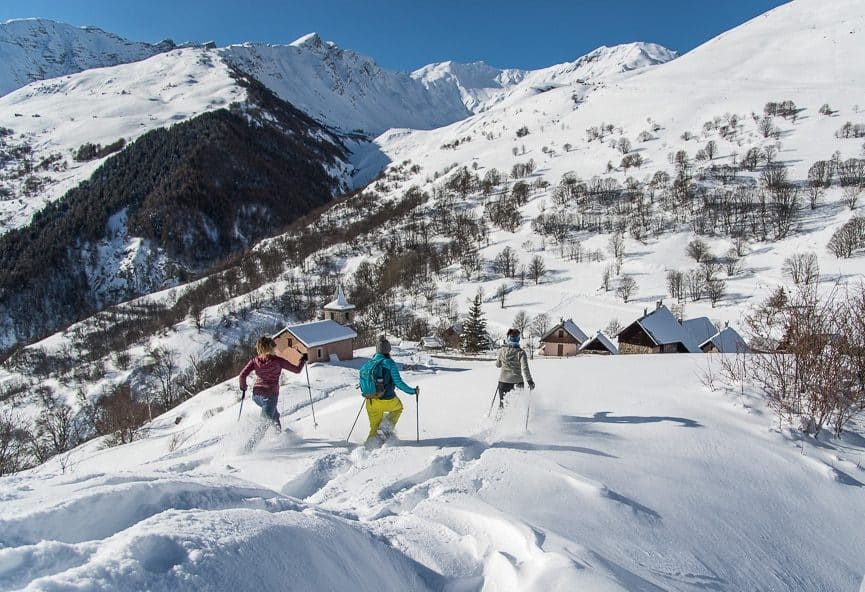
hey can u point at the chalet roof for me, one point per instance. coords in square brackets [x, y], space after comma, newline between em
[319, 332]
[603, 340]
[340, 302]
[727, 341]
[700, 329]
[569, 326]
[663, 328]
[430, 341]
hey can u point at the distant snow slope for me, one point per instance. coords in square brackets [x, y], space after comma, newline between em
[38, 49]
[344, 89]
[802, 51]
[351, 92]
[631, 477]
[101, 106]
[481, 86]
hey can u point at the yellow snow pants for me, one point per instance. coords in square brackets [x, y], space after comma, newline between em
[376, 408]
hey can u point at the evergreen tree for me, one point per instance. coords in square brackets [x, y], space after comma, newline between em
[475, 326]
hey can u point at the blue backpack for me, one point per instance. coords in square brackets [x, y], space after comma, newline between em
[372, 379]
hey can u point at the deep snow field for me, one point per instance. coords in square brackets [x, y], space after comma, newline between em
[633, 475]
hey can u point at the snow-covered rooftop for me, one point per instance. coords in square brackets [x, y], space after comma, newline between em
[603, 340]
[320, 332]
[662, 327]
[340, 302]
[700, 329]
[571, 327]
[727, 341]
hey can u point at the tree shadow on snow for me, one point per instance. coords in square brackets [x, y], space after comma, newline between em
[605, 417]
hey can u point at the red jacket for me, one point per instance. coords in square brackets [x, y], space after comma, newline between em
[267, 373]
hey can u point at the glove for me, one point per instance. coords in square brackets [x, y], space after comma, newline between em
[242, 394]
[304, 357]
[531, 385]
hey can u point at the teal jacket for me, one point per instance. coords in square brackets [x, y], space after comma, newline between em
[389, 368]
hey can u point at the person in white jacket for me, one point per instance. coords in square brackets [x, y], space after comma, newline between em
[514, 362]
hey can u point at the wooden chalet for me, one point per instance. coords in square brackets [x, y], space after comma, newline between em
[562, 340]
[657, 332]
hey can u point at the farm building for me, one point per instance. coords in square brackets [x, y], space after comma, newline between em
[599, 344]
[657, 332]
[700, 329]
[319, 339]
[726, 341]
[564, 339]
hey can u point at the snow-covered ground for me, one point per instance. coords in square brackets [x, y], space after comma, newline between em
[632, 476]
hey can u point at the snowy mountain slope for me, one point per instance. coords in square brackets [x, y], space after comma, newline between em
[101, 106]
[481, 86]
[632, 476]
[343, 89]
[38, 49]
[768, 59]
[477, 84]
[351, 92]
[210, 162]
[797, 51]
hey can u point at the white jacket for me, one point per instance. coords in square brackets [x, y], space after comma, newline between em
[514, 364]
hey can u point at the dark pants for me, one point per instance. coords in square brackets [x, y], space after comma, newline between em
[506, 387]
[268, 407]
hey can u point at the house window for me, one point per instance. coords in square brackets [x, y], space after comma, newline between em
[561, 334]
[319, 353]
[290, 342]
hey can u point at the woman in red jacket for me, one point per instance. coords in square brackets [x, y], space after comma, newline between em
[267, 366]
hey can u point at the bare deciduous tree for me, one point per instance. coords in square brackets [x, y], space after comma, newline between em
[676, 284]
[536, 269]
[698, 250]
[12, 443]
[521, 321]
[626, 288]
[715, 290]
[809, 367]
[802, 268]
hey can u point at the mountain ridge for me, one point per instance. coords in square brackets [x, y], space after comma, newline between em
[39, 49]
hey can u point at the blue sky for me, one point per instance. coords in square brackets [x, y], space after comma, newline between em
[407, 34]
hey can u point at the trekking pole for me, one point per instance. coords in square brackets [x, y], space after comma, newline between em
[417, 412]
[529, 408]
[242, 397]
[493, 401]
[309, 390]
[347, 438]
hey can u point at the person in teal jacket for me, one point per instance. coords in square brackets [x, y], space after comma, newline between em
[388, 403]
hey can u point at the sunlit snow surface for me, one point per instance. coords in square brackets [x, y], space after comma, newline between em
[632, 475]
